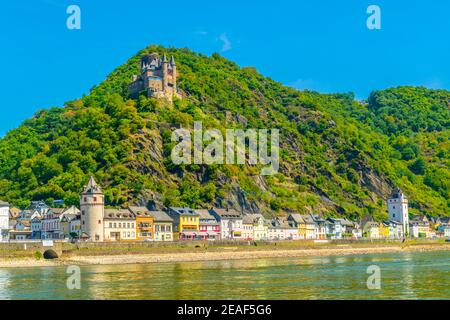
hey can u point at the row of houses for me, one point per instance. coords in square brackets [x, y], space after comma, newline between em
[94, 222]
[180, 223]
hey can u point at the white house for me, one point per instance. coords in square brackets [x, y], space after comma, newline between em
[247, 228]
[230, 223]
[283, 229]
[319, 227]
[260, 226]
[447, 231]
[275, 232]
[21, 231]
[334, 228]
[371, 230]
[163, 226]
[395, 230]
[120, 225]
[4, 220]
[350, 229]
[420, 227]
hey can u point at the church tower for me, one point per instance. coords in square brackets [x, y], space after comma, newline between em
[398, 209]
[92, 206]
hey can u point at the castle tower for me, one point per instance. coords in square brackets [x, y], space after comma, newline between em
[398, 209]
[92, 207]
[174, 73]
[165, 63]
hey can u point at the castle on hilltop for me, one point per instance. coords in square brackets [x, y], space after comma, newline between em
[158, 78]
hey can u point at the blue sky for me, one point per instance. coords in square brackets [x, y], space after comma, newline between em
[320, 45]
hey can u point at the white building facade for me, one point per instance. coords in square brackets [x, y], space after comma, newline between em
[230, 223]
[4, 220]
[92, 205]
[398, 209]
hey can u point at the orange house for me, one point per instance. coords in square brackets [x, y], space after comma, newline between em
[145, 225]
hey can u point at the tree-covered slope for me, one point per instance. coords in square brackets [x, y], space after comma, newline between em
[338, 156]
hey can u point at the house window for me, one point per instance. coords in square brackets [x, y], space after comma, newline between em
[82, 212]
[393, 215]
[83, 222]
[95, 199]
[99, 221]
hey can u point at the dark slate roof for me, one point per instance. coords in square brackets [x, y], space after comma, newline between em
[227, 213]
[308, 218]
[182, 211]
[252, 218]
[118, 214]
[204, 214]
[397, 193]
[297, 217]
[92, 187]
[139, 210]
[160, 216]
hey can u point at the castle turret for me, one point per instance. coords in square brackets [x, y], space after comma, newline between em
[92, 207]
[165, 63]
[174, 74]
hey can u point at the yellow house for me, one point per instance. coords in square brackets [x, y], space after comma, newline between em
[186, 223]
[309, 226]
[301, 225]
[383, 230]
[371, 230]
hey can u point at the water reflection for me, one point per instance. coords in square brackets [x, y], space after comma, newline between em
[404, 276]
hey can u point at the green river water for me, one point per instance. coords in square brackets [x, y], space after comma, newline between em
[403, 276]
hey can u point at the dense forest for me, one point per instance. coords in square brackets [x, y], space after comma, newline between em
[338, 156]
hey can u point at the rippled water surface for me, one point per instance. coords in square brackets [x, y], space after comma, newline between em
[403, 276]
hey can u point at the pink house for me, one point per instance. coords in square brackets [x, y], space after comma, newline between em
[209, 226]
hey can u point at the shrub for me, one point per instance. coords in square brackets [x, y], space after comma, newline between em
[38, 255]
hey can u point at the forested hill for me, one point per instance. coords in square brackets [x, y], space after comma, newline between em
[338, 156]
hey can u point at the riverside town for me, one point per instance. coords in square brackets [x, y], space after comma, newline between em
[94, 222]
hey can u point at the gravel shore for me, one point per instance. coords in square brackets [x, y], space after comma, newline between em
[228, 254]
